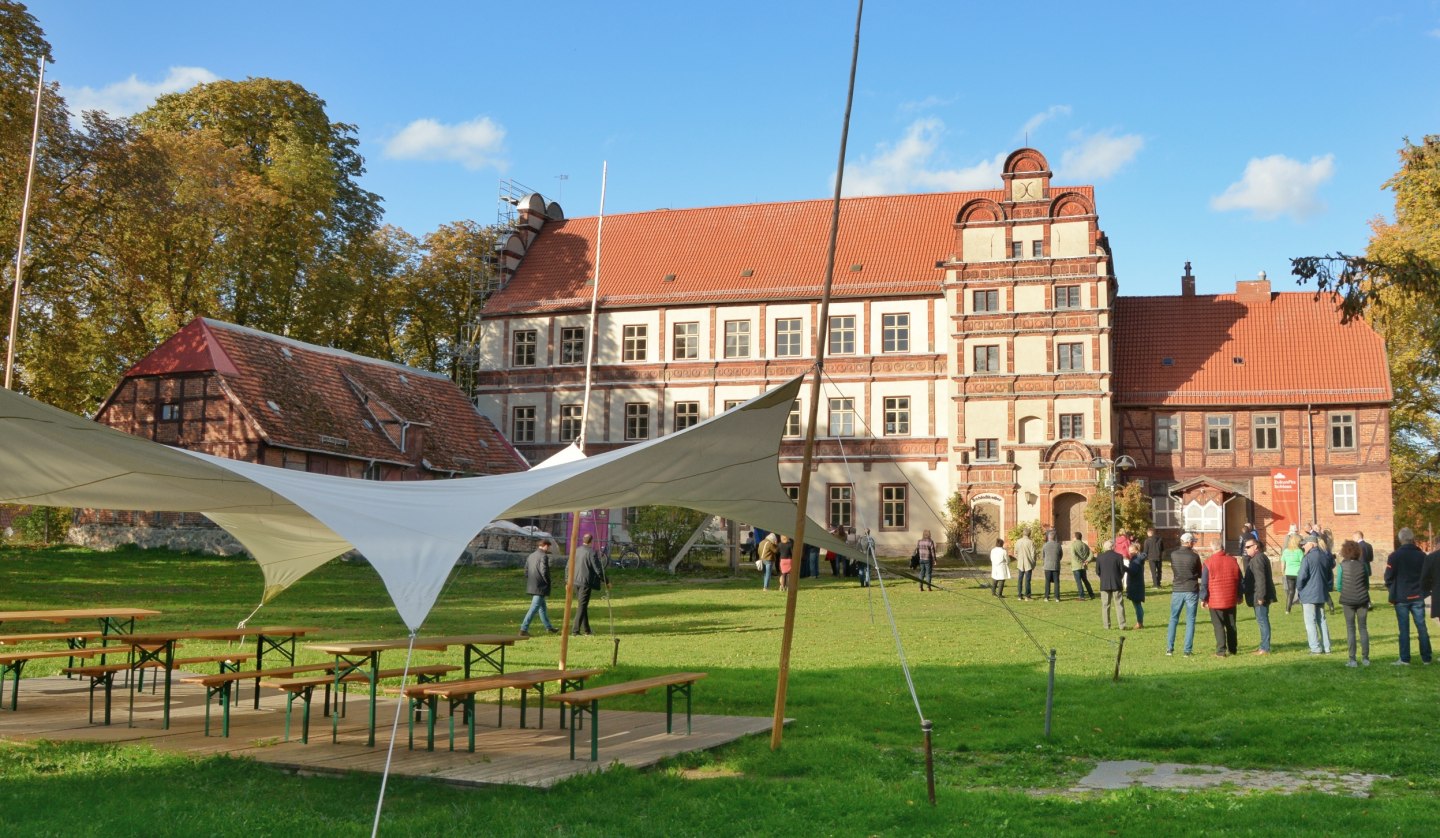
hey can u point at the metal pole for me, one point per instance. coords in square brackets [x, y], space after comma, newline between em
[1112, 503]
[24, 221]
[1050, 695]
[927, 726]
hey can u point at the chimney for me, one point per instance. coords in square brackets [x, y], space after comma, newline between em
[1187, 283]
[1254, 290]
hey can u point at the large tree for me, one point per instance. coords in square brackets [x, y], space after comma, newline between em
[1395, 285]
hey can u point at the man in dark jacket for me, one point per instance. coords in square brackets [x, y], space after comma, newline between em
[589, 575]
[1184, 592]
[1259, 590]
[1220, 591]
[1405, 578]
[1154, 550]
[1111, 568]
[1050, 557]
[1312, 588]
[537, 585]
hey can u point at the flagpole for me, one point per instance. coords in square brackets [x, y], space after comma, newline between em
[24, 220]
[777, 726]
[584, 417]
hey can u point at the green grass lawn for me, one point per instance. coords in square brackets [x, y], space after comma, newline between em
[851, 764]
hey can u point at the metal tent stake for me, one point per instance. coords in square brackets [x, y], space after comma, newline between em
[928, 726]
[1118, 652]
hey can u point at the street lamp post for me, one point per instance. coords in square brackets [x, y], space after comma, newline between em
[1122, 463]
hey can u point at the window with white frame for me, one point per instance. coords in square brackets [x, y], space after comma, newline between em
[842, 417]
[841, 503]
[792, 420]
[1267, 432]
[894, 506]
[569, 422]
[1217, 433]
[737, 338]
[636, 343]
[897, 415]
[687, 342]
[522, 347]
[842, 335]
[1202, 517]
[572, 345]
[637, 420]
[686, 414]
[792, 490]
[1347, 497]
[789, 339]
[522, 423]
[894, 333]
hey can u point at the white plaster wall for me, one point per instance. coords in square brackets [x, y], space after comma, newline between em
[1027, 233]
[984, 244]
[728, 313]
[927, 491]
[984, 420]
[1030, 355]
[1069, 238]
[611, 329]
[919, 394]
[1030, 298]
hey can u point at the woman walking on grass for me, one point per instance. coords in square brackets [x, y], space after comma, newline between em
[1353, 580]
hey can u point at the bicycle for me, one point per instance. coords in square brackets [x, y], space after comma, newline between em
[627, 555]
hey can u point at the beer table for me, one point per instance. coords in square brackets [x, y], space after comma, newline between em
[363, 657]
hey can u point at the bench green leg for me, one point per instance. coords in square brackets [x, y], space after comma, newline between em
[578, 711]
[670, 704]
[6, 669]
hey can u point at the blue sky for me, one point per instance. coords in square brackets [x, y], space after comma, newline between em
[1232, 135]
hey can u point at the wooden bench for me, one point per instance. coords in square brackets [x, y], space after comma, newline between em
[12, 663]
[427, 696]
[304, 689]
[588, 699]
[223, 684]
[76, 639]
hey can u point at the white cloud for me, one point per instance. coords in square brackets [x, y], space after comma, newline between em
[1041, 118]
[1276, 185]
[133, 95]
[908, 166]
[1099, 155]
[474, 144]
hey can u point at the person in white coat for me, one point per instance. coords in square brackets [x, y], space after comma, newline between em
[999, 568]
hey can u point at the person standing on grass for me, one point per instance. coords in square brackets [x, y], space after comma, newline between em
[1220, 593]
[999, 568]
[866, 543]
[784, 554]
[1050, 563]
[1079, 562]
[1259, 590]
[1110, 566]
[1312, 586]
[537, 585]
[589, 577]
[1135, 583]
[1354, 583]
[767, 551]
[1405, 576]
[1290, 560]
[1122, 544]
[1154, 550]
[1024, 565]
[1184, 593]
[925, 549]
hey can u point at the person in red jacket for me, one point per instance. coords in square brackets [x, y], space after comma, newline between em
[1220, 593]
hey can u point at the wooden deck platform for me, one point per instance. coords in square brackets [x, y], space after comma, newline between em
[55, 708]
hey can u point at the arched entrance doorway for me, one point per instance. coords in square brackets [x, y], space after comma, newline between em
[1069, 515]
[985, 513]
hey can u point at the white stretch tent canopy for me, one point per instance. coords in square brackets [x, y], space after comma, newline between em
[412, 533]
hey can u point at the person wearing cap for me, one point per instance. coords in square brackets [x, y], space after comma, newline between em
[537, 585]
[1312, 587]
[1185, 592]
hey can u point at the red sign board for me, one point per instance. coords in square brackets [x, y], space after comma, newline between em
[1285, 499]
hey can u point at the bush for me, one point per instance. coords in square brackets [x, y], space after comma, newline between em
[959, 521]
[664, 529]
[43, 525]
[1034, 529]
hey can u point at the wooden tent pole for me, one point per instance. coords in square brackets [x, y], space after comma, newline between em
[777, 725]
[24, 221]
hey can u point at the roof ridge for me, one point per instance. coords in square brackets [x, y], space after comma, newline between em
[323, 350]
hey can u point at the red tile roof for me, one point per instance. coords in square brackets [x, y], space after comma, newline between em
[895, 239]
[320, 394]
[1292, 350]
